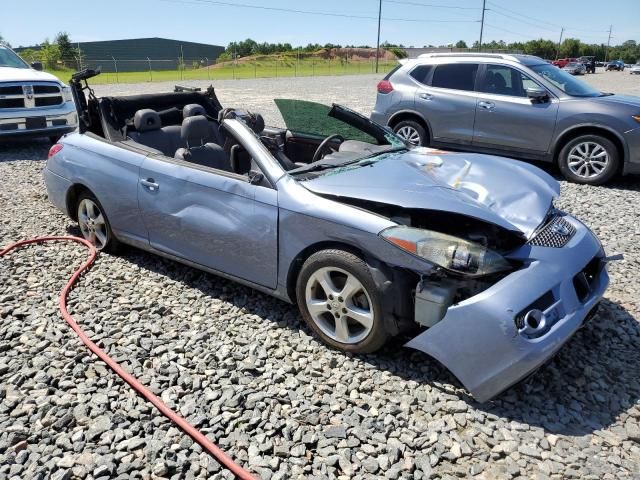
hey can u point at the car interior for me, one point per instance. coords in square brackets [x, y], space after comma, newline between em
[188, 126]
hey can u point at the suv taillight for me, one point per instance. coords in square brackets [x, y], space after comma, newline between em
[384, 86]
[54, 149]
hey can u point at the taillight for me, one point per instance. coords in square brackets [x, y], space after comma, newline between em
[54, 149]
[385, 86]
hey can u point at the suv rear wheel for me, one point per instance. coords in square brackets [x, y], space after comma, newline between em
[589, 159]
[411, 131]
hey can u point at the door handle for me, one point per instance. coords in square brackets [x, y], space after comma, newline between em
[487, 105]
[426, 96]
[150, 184]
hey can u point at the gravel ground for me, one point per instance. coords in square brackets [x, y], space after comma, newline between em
[242, 367]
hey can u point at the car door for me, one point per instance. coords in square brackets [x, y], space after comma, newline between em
[446, 98]
[211, 217]
[506, 118]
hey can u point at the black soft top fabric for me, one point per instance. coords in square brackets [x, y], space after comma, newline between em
[117, 112]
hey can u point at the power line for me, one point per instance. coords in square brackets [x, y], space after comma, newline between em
[493, 10]
[519, 34]
[431, 5]
[525, 16]
[537, 20]
[313, 12]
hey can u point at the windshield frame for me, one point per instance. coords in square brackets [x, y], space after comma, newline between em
[587, 90]
[20, 64]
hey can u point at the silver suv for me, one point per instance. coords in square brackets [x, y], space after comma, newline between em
[512, 105]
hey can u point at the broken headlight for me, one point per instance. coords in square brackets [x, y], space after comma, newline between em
[447, 251]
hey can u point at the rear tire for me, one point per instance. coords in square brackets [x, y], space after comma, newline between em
[589, 159]
[94, 224]
[412, 132]
[340, 301]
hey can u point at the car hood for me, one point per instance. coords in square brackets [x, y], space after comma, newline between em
[9, 74]
[624, 99]
[512, 194]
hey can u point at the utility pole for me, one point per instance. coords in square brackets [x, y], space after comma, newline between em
[606, 52]
[378, 44]
[484, 8]
[559, 43]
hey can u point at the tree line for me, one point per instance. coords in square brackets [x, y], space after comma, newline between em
[628, 52]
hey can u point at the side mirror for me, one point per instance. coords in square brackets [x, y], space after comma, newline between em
[255, 178]
[537, 94]
[37, 66]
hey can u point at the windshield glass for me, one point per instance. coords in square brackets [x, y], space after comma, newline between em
[359, 137]
[10, 59]
[565, 82]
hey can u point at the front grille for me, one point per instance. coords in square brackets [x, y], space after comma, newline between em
[37, 89]
[48, 101]
[30, 95]
[555, 234]
[11, 90]
[11, 103]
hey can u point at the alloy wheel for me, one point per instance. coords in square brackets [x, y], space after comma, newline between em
[588, 159]
[92, 223]
[409, 134]
[339, 305]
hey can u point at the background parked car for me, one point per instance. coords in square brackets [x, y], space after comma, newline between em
[32, 103]
[635, 69]
[561, 62]
[512, 105]
[575, 68]
[589, 63]
[615, 65]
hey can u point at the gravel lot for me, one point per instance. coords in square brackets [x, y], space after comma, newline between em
[242, 367]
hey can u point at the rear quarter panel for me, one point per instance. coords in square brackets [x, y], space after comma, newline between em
[577, 113]
[110, 172]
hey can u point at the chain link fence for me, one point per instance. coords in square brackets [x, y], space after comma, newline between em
[291, 64]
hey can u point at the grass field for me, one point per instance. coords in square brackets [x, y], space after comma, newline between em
[266, 68]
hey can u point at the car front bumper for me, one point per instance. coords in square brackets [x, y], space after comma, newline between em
[478, 339]
[38, 122]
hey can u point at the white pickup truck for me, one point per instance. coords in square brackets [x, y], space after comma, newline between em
[32, 103]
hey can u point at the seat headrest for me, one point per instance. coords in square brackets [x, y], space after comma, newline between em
[196, 131]
[146, 119]
[192, 110]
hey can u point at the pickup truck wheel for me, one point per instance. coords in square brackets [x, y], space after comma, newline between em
[412, 132]
[589, 159]
[340, 301]
[94, 224]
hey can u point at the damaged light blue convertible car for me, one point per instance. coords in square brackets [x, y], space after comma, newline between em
[463, 253]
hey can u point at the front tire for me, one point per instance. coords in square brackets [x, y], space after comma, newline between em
[412, 132]
[94, 224]
[340, 301]
[589, 159]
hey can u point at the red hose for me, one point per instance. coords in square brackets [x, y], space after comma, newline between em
[189, 429]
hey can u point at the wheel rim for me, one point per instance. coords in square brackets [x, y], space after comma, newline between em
[409, 134]
[92, 223]
[339, 305]
[588, 159]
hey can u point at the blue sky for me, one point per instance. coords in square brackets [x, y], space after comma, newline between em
[28, 22]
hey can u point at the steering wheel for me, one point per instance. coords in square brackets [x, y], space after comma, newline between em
[325, 146]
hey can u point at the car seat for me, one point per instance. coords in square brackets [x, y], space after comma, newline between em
[201, 149]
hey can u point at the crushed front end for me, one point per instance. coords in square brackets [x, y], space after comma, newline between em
[503, 333]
